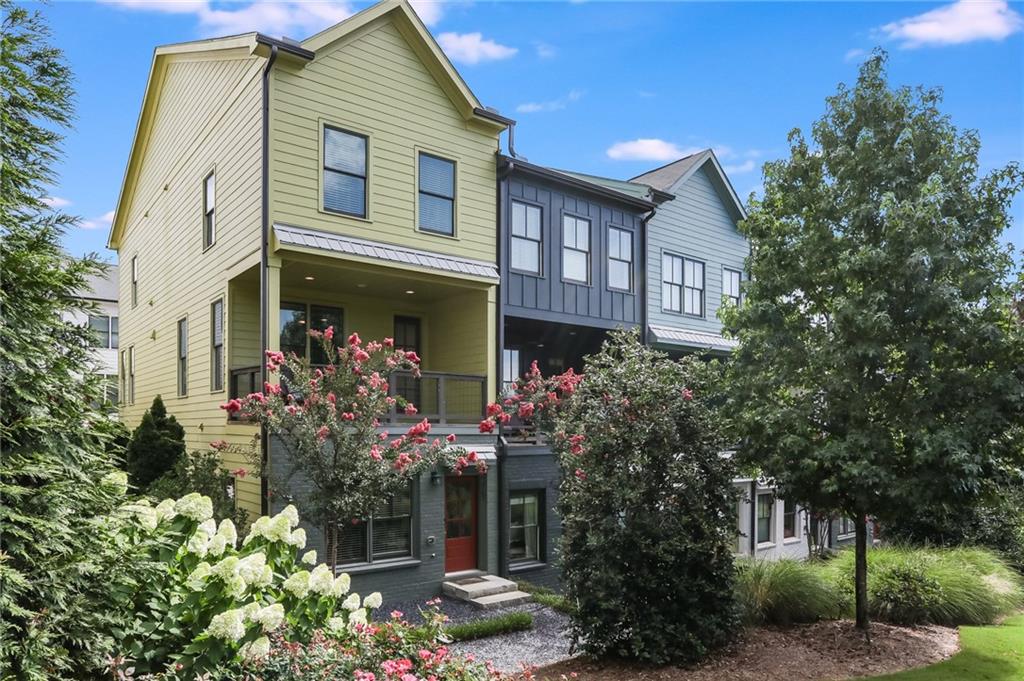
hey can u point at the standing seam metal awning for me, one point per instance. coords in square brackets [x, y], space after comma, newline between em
[696, 339]
[302, 237]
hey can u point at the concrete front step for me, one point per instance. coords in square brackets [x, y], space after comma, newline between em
[502, 600]
[473, 588]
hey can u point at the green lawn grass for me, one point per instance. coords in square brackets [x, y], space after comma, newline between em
[986, 654]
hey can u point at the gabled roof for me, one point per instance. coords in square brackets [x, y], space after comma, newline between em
[669, 176]
[422, 42]
[258, 44]
[634, 198]
[637, 189]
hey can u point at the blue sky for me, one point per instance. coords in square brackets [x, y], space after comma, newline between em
[611, 88]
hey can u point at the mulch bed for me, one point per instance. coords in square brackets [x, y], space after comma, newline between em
[826, 651]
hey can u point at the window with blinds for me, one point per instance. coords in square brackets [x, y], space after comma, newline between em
[575, 249]
[620, 259]
[526, 238]
[436, 194]
[345, 171]
[385, 535]
[217, 345]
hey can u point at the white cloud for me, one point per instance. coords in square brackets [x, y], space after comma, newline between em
[739, 168]
[56, 202]
[545, 51]
[102, 222]
[854, 54]
[472, 48]
[963, 21]
[551, 105]
[428, 10]
[299, 19]
[646, 149]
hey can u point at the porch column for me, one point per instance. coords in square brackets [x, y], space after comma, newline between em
[491, 343]
[273, 310]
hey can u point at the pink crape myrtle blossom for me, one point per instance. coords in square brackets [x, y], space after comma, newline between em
[326, 420]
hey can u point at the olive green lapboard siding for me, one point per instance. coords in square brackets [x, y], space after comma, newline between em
[372, 83]
[207, 119]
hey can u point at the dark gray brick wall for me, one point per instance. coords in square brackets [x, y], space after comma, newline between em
[536, 468]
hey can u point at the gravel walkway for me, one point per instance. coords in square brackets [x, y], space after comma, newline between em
[547, 643]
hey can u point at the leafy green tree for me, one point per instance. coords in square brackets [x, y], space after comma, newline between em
[646, 500]
[56, 473]
[878, 371]
[157, 444]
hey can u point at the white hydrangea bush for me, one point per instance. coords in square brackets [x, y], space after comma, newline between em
[218, 596]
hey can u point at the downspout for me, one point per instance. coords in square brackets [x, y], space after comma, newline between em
[502, 452]
[264, 274]
[753, 517]
[645, 303]
[512, 141]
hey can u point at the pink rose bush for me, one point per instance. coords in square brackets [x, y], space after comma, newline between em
[327, 420]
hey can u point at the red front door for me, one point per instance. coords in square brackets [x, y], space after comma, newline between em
[459, 523]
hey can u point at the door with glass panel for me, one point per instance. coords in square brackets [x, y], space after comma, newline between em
[460, 531]
[407, 337]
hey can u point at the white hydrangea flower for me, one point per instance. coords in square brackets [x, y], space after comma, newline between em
[250, 609]
[352, 602]
[297, 584]
[216, 545]
[235, 586]
[228, 625]
[209, 526]
[194, 506]
[292, 514]
[198, 543]
[373, 601]
[257, 529]
[357, 617]
[226, 568]
[321, 580]
[256, 650]
[145, 514]
[298, 538]
[228, 530]
[265, 578]
[116, 481]
[251, 567]
[279, 529]
[336, 625]
[309, 557]
[197, 578]
[165, 510]
[341, 585]
[270, 617]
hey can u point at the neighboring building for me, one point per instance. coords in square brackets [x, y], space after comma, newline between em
[101, 292]
[363, 197]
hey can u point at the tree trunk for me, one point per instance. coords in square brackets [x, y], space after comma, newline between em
[860, 522]
[331, 540]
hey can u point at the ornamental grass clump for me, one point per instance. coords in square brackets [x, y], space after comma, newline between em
[933, 586]
[784, 592]
[646, 500]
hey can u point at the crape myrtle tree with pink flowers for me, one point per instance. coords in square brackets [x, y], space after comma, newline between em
[646, 500]
[328, 421]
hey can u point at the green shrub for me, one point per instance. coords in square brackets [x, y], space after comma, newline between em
[784, 592]
[935, 586]
[157, 444]
[492, 626]
[201, 472]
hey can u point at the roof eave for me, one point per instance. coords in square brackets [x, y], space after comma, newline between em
[597, 189]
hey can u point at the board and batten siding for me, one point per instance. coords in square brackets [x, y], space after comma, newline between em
[207, 119]
[549, 296]
[697, 225]
[372, 83]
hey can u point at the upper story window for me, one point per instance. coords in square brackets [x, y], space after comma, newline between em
[183, 356]
[575, 249]
[731, 285]
[135, 280]
[682, 286]
[217, 345]
[345, 164]
[526, 238]
[436, 195]
[620, 259]
[209, 211]
[104, 329]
